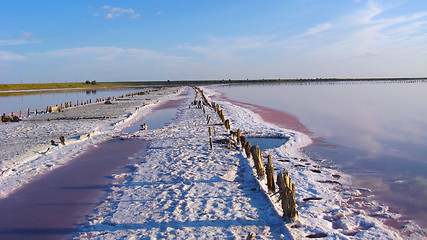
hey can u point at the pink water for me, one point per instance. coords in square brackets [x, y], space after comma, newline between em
[375, 131]
[52, 206]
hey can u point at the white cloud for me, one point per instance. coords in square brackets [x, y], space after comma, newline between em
[7, 56]
[228, 49]
[12, 42]
[107, 63]
[27, 34]
[108, 54]
[317, 29]
[118, 12]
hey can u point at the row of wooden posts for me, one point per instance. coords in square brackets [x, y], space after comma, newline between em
[58, 108]
[284, 182]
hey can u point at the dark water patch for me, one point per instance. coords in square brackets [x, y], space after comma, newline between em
[51, 206]
[266, 143]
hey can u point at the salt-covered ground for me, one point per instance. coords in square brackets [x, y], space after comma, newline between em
[181, 189]
[26, 151]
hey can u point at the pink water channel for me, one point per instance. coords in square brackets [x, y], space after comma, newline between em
[53, 205]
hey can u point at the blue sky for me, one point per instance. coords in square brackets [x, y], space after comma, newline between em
[68, 41]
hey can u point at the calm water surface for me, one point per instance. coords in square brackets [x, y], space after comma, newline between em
[41, 100]
[375, 131]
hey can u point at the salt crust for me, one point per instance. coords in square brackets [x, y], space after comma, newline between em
[182, 189]
[26, 150]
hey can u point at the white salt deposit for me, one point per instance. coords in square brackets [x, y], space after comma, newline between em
[26, 150]
[181, 189]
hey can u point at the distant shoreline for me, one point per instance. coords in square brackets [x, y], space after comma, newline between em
[32, 88]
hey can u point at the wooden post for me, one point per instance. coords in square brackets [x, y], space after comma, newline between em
[28, 114]
[270, 175]
[256, 155]
[242, 140]
[238, 135]
[287, 196]
[251, 236]
[62, 139]
[227, 124]
[248, 149]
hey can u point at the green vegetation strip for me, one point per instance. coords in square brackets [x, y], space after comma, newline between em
[99, 85]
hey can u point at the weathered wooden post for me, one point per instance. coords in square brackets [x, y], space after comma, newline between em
[227, 124]
[210, 139]
[251, 236]
[238, 135]
[248, 149]
[62, 139]
[270, 175]
[242, 140]
[287, 196]
[28, 114]
[256, 156]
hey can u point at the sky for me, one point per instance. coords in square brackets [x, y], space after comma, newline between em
[79, 40]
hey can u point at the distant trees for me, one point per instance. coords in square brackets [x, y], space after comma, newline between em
[89, 82]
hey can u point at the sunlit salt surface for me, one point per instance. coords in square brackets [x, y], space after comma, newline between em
[376, 131]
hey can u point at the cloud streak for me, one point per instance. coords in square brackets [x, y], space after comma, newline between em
[114, 12]
[8, 56]
[317, 29]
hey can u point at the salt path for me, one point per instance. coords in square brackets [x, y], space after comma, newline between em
[181, 189]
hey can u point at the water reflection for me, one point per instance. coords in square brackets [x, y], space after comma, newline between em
[41, 100]
[379, 129]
